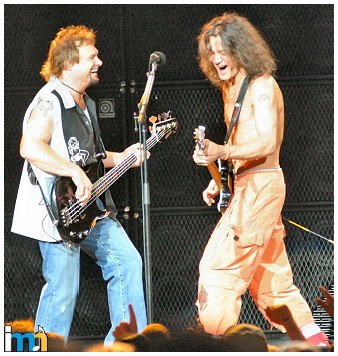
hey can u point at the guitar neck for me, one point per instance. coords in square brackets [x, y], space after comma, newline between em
[115, 173]
[215, 174]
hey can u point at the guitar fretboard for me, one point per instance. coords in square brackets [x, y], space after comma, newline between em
[103, 183]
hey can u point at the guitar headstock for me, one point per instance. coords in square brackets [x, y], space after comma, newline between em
[199, 136]
[163, 125]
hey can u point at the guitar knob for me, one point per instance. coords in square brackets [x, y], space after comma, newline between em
[153, 119]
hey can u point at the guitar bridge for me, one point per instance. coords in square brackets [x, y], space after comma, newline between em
[65, 217]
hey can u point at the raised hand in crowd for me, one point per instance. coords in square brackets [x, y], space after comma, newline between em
[125, 329]
[327, 302]
[280, 314]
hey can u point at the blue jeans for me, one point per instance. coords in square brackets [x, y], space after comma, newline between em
[121, 267]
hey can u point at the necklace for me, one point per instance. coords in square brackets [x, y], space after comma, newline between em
[79, 92]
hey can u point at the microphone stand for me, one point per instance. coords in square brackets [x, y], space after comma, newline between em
[145, 191]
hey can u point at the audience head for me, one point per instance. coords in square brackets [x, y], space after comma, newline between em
[245, 337]
[116, 346]
[299, 346]
[140, 342]
[55, 341]
[188, 341]
[158, 336]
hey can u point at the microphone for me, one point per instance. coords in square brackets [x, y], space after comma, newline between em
[158, 57]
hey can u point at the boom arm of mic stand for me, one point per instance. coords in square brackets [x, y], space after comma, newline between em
[146, 95]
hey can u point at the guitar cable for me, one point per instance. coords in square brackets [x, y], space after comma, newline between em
[308, 230]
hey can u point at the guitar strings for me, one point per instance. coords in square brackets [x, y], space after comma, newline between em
[76, 209]
[102, 184]
[122, 167]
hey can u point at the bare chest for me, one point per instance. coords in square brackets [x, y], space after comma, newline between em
[245, 129]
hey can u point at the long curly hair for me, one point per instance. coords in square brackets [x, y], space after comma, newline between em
[64, 49]
[241, 40]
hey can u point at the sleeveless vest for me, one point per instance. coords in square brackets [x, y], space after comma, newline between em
[84, 143]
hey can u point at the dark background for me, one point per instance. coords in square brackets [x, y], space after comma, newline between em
[301, 37]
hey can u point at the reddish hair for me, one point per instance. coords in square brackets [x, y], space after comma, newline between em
[64, 49]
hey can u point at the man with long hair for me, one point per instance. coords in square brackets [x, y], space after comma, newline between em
[246, 249]
[60, 136]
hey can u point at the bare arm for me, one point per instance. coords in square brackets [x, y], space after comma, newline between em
[264, 101]
[327, 302]
[35, 148]
[125, 329]
[114, 158]
[265, 111]
[280, 314]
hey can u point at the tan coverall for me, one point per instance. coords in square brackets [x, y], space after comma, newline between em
[246, 251]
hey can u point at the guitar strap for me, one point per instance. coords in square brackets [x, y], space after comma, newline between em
[68, 127]
[100, 151]
[237, 108]
[34, 181]
[99, 154]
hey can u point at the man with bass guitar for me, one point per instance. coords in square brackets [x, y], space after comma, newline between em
[60, 137]
[246, 249]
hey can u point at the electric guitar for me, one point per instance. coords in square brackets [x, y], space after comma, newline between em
[221, 174]
[76, 220]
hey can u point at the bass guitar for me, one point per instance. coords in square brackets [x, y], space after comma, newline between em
[221, 174]
[75, 220]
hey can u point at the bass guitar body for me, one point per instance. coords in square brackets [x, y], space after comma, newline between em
[74, 220]
[74, 223]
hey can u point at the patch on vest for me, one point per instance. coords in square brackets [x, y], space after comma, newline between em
[77, 155]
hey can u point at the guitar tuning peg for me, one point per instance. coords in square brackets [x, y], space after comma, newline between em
[153, 119]
[164, 115]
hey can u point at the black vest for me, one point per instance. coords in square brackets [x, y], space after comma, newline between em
[83, 140]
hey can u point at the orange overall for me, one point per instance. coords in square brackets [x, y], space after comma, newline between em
[246, 251]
